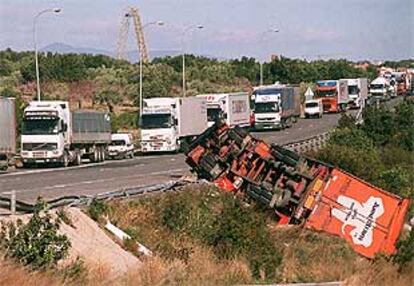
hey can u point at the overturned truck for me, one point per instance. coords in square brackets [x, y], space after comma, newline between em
[299, 190]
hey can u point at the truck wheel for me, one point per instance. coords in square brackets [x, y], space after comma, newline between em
[103, 154]
[78, 159]
[100, 155]
[94, 156]
[284, 198]
[65, 160]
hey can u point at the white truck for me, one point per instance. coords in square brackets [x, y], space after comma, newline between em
[51, 133]
[275, 106]
[379, 89]
[7, 131]
[358, 92]
[232, 107]
[121, 146]
[167, 122]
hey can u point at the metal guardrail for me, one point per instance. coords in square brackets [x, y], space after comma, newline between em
[12, 204]
[313, 143]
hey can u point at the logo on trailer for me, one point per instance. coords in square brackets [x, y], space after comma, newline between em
[362, 217]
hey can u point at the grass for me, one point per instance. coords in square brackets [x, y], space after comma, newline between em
[207, 237]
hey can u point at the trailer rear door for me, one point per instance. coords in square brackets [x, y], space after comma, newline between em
[369, 218]
[238, 109]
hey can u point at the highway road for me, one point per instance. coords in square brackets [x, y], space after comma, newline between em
[90, 179]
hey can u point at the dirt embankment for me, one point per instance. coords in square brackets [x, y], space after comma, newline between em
[93, 245]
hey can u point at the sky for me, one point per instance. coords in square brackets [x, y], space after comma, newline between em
[311, 29]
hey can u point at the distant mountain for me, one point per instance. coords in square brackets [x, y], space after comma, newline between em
[62, 48]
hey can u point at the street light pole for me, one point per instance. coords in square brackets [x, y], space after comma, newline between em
[183, 52]
[50, 10]
[141, 100]
[261, 41]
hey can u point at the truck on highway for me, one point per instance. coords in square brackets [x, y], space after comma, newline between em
[121, 146]
[234, 108]
[334, 95]
[299, 190]
[51, 133]
[167, 122]
[358, 92]
[379, 89]
[7, 131]
[275, 106]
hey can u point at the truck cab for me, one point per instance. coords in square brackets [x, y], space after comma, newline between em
[234, 108]
[379, 89]
[121, 146]
[358, 92]
[46, 132]
[267, 109]
[167, 122]
[158, 129]
[334, 95]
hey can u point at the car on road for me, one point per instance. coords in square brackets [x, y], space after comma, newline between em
[313, 108]
[121, 146]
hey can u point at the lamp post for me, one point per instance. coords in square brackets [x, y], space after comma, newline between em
[261, 40]
[50, 10]
[157, 23]
[185, 31]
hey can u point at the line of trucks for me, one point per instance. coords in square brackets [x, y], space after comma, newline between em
[52, 133]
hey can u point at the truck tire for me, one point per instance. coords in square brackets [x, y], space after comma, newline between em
[65, 160]
[103, 157]
[94, 156]
[284, 198]
[78, 159]
[100, 155]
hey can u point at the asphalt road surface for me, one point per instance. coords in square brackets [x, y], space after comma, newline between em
[92, 179]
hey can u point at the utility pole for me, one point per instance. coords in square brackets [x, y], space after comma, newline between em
[272, 30]
[50, 10]
[185, 31]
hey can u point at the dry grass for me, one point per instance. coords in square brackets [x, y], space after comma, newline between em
[12, 274]
[200, 269]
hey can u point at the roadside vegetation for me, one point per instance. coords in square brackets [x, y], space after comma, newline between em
[102, 82]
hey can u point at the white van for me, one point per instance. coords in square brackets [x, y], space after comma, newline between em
[121, 146]
[313, 108]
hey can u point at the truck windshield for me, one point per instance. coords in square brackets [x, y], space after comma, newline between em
[40, 126]
[118, 143]
[267, 91]
[326, 93]
[376, 86]
[154, 121]
[352, 89]
[213, 114]
[311, 104]
[266, 107]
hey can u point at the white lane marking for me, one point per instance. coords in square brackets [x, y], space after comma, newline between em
[29, 172]
[60, 186]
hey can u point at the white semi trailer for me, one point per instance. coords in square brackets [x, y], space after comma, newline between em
[234, 108]
[51, 133]
[167, 122]
[7, 131]
[358, 92]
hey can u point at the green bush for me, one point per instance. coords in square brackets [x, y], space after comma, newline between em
[97, 209]
[239, 230]
[36, 244]
[405, 253]
[175, 215]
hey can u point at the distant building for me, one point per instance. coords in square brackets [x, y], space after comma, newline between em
[274, 57]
